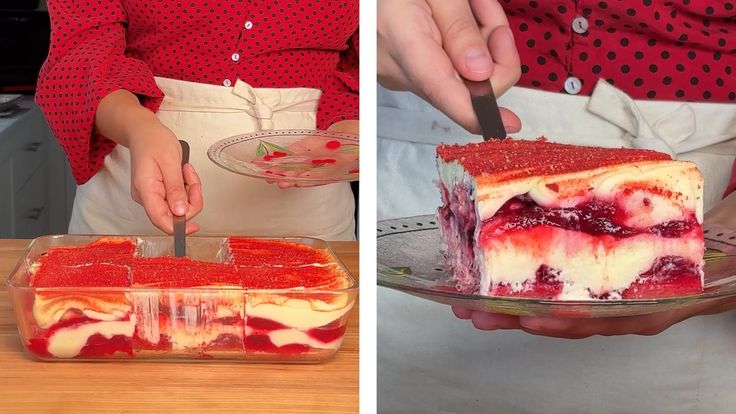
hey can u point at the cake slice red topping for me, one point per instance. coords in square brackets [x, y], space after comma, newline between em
[510, 159]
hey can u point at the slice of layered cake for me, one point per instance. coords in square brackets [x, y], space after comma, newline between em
[543, 220]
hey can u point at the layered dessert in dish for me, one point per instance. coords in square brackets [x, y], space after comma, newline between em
[258, 299]
[536, 219]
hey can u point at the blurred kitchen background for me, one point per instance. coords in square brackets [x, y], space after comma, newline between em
[36, 185]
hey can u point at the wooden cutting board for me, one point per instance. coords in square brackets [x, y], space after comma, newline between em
[29, 386]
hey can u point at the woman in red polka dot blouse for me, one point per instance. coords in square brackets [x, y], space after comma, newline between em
[124, 79]
[589, 72]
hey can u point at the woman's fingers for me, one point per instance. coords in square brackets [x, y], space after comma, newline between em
[192, 227]
[487, 321]
[462, 313]
[582, 328]
[194, 191]
[511, 122]
[425, 45]
[411, 58]
[507, 64]
[152, 195]
[173, 178]
[491, 321]
[489, 14]
[578, 328]
[461, 38]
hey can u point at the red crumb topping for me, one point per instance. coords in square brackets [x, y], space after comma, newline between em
[182, 272]
[512, 159]
[253, 264]
[83, 275]
[258, 252]
[287, 277]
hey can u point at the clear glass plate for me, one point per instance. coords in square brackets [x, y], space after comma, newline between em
[410, 261]
[295, 156]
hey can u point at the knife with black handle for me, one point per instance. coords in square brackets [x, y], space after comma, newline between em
[486, 109]
[180, 222]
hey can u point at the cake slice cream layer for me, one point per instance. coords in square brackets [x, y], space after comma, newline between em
[588, 264]
[673, 187]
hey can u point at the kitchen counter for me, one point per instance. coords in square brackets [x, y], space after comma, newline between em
[202, 387]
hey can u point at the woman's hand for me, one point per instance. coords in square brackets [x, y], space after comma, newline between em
[158, 181]
[424, 44]
[573, 328]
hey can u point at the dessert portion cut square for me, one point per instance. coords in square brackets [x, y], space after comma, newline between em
[264, 299]
[543, 220]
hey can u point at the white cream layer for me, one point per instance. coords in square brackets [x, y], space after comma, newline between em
[681, 177]
[68, 342]
[587, 263]
[283, 337]
[48, 309]
[296, 313]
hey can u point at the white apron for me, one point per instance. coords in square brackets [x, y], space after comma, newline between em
[431, 362]
[233, 204]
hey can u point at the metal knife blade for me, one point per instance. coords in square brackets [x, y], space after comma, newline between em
[180, 222]
[486, 109]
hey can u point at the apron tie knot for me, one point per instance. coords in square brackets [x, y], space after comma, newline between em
[261, 104]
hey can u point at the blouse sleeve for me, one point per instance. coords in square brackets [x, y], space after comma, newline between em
[339, 100]
[86, 62]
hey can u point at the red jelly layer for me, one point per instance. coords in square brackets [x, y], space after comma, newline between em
[97, 345]
[546, 285]
[594, 217]
[513, 159]
[262, 343]
[259, 341]
[669, 276]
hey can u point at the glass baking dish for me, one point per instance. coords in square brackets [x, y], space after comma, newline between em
[299, 325]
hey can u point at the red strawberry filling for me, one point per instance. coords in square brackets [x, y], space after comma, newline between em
[259, 340]
[668, 276]
[594, 217]
[97, 345]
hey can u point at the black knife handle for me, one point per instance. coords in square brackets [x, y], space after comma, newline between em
[486, 109]
[184, 152]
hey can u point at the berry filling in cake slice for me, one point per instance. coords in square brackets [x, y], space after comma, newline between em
[543, 220]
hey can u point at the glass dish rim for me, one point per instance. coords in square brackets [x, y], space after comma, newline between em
[348, 136]
[11, 285]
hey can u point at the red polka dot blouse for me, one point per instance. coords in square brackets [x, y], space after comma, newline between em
[651, 49]
[98, 46]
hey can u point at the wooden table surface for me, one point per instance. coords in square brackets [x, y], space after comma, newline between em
[29, 386]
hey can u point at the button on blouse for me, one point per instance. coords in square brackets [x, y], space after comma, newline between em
[98, 46]
[662, 50]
